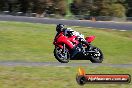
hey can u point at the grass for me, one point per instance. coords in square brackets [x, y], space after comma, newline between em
[53, 77]
[33, 42]
[23, 41]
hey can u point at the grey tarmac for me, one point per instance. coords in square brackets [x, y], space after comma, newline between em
[85, 23]
[58, 64]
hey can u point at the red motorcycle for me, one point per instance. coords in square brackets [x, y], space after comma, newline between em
[64, 46]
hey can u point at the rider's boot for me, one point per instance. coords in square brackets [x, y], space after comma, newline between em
[86, 43]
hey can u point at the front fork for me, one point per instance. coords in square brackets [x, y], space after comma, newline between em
[64, 51]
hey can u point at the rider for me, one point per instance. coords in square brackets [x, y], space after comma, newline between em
[70, 32]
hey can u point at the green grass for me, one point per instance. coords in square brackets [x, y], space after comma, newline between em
[53, 77]
[33, 42]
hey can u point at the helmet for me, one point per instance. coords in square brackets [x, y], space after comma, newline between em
[59, 27]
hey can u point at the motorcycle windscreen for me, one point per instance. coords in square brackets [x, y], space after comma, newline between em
[90, 39]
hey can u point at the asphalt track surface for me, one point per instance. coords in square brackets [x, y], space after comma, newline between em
[109, 25]
[57, 64]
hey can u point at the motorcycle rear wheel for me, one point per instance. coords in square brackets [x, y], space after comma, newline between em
[97, 56]
[60, 56]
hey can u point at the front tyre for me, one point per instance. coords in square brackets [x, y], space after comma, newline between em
[61, 55]
[96, 56]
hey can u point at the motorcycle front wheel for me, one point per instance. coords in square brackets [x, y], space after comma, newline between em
[96, 56]
[61, 55]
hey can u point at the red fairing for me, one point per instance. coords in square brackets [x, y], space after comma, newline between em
[90, 39]
[72, 39]
[61, 39]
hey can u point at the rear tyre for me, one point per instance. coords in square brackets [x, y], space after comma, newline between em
[97, 56]
[62, 56]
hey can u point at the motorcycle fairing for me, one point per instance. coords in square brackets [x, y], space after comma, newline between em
[61, 39]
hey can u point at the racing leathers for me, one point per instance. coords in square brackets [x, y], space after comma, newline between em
[69, 32]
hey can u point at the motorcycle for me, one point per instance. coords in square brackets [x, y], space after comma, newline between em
[64, 45]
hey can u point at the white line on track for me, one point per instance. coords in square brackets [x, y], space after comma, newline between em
[122, 30]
